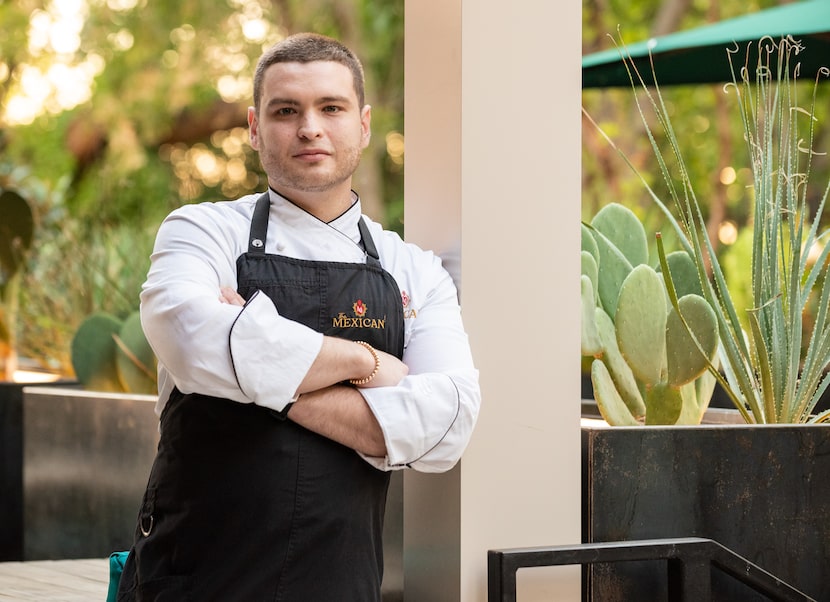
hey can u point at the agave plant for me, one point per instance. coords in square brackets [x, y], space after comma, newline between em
[770, 372]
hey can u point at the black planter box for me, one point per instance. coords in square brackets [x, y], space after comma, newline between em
[11, 476]
[11, 465]
[762, 491]
[86, 457]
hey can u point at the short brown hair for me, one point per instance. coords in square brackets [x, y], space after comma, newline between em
[307, 48]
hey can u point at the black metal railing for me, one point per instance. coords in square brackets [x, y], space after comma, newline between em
[689, 566]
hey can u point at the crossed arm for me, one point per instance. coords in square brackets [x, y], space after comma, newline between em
[418, 415]
[339, 412]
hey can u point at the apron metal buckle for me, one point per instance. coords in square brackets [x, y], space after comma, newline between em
[146, 532]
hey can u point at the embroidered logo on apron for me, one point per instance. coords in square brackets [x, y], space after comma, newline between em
[360, 319]
[359, 308]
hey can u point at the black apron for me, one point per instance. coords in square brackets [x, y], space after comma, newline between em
[245, 505]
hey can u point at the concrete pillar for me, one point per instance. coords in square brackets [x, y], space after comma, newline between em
[492, 126]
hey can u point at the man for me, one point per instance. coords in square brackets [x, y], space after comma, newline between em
[304, 353]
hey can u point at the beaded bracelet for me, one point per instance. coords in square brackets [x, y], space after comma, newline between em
[366, 379]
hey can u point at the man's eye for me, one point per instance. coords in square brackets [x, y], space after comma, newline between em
[331, 109]
[285, 111]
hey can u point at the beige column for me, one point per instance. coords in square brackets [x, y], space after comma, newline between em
[492, 126]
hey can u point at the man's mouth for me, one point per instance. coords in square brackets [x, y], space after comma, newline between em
[311, 155]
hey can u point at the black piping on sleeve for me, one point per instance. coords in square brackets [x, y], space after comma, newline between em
[444, 436]
[230, 348]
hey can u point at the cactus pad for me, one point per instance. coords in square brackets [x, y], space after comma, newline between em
[619, 370]
[641, 324]
[590, 341]
[623, 228]
[609, 402]
[135, 359]
[683, 274]
[664, 404]
[93, 353]
[685, 361]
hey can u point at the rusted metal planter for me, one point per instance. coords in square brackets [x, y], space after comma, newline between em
[11, 464]
[762, 491]
[86, 457]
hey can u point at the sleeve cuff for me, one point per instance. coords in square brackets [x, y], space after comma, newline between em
[270, 354]
[412, 430]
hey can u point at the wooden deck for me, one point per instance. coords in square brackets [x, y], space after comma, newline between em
[55, 580]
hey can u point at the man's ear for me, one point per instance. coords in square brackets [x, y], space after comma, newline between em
[366, 125]
[253, 126]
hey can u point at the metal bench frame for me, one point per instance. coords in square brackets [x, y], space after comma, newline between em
[689, 566]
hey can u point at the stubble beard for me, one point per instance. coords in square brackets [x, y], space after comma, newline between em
[286, 176]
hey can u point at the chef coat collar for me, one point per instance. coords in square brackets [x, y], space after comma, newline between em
[295, 216]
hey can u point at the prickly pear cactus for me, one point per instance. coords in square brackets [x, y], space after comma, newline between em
[93, 353]
[646, 367]
[109, 354]
[135, 360]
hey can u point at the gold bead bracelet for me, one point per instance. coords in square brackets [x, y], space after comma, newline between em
[367, 379]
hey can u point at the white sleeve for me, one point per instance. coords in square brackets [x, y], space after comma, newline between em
[427, 419]
[249, 354]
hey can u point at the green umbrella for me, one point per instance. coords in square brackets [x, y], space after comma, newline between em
[699, 55]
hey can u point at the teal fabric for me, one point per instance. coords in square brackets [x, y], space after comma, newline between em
[117, 560]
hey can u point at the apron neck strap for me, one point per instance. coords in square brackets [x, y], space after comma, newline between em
[259, 225]
[372, 257]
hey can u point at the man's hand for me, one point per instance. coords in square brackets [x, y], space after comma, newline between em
[390, 371]
[230, 296]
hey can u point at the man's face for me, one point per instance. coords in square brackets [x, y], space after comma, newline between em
[310, 131]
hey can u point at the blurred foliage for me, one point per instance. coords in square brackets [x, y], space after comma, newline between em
[705, 116]
[709, 129]
[115, 112]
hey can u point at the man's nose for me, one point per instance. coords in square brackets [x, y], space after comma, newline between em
[309, 126]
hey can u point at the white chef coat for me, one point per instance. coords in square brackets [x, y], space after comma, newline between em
[254, 355]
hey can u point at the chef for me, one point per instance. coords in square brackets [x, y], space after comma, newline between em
[304, 353]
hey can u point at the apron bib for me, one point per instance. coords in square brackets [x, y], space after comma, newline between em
[245, 505]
